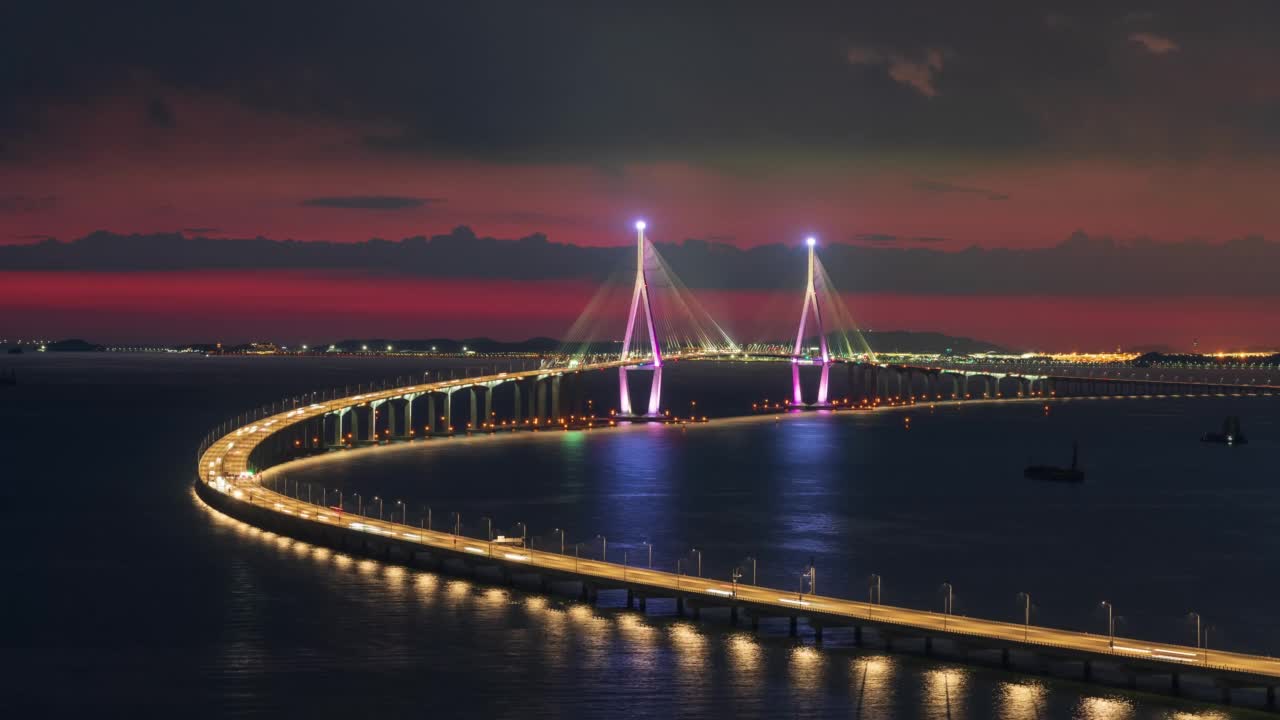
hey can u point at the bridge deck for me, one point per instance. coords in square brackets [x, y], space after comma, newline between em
[222, 465]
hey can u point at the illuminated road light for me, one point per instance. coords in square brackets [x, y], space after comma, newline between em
[811, 241]
[475, 550]
[356, 526]
[278, 506]
[793, 601]
[718, 591]
[1157, 656]
[1176, 652]
[238, 494]
[516, 556]
[412, 536]
[640, 225]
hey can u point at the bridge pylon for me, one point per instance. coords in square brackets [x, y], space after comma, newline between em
[810, 309]
[640, 302]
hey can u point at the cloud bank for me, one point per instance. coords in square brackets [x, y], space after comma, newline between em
[1080, 266]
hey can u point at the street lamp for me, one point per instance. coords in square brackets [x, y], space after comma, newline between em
[1196, 615]
[426, 522]
[1026, 615]
[1111, 624]
[359, 504]
[698, 552]
[404, 513]
[604, 548]
[379, 499]
[561, 531]
[735, 577]
[649, 545]
[753, 568]
[946, 603]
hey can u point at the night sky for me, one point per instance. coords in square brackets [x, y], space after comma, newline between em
[1141, 139]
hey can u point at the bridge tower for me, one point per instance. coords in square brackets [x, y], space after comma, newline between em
[810, 305]
[640, 302]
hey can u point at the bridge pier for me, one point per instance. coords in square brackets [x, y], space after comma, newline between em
[794, 627]
[755, 622]
[928, 645]
[631, 599]
[817, 634]
[431, 415]
[1226, 695]
[1088, 670]
[473, 417]
[1271, 697]
[733, 616]
[1004, 658]
[857, 635]
[1175, 684]
[642, 604]
[680, 605]
[555, 398]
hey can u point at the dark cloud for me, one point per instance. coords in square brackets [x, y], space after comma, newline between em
[875, 238]
[599, 82]
[370, 202]
[1079, 266]
[160, 115]
[935, 186]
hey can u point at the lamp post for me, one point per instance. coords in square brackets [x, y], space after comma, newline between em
[649, 545]
[735, 577]
[359, 504]
[698, 552]
[753, 569]
[379, 499]
[1026, 615]
[404, 513]
[561, 531]
[946, 603]
[1111, 625]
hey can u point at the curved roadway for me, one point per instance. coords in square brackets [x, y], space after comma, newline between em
[224, 467]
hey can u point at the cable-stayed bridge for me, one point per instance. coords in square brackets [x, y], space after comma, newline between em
[666, 324]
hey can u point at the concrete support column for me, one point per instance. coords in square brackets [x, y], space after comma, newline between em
[755, 622]
[1175, 685]
[448, 411]
[680, 605]
[1004, 658]
[542, 402]
[817, 634]
[473, 420]
[555, 399]
[355, 425]
[515, 413]
[431, 414]
[928, 646]
[1271, 697]
[794, 626]
[642, 603]
[631, 599]
[408, 415]
[733, 616]
[533, 399]
[1088, 669]
[488, 406]
[391, 419]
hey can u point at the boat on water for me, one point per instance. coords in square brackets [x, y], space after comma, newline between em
[1053, 473]
[1231, 433]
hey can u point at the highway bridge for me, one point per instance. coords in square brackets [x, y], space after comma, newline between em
[232, 458]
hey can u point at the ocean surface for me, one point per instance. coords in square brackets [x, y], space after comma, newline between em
[124, 594]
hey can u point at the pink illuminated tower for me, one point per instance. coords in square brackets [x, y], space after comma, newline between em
[810, 301]
[640, 297]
